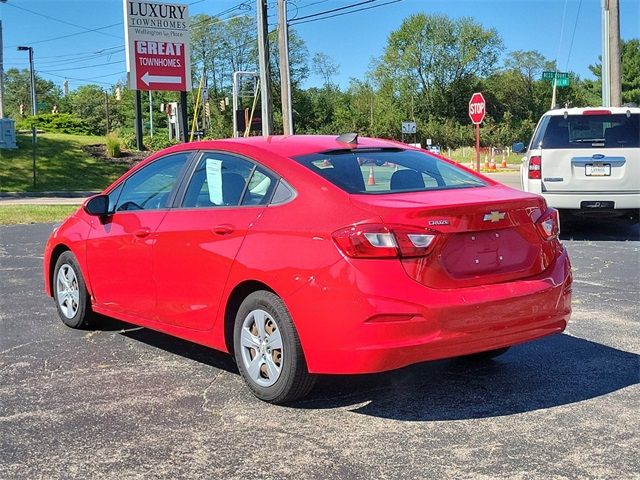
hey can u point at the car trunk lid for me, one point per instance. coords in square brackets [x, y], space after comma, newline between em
[484, 234]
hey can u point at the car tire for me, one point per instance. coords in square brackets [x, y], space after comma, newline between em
[70, 292]
[268, 351]
[488, 355]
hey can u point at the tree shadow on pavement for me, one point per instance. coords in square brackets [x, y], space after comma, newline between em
[555, 371]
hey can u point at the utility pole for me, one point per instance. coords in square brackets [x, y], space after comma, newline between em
[263, 62]
[285, 77]
[604, 68]
[615, 77]
[1, 70]
[34, 110]
[1, 75]
[106, 110]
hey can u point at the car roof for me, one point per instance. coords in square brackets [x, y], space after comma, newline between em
[288, 146]
[580, 111]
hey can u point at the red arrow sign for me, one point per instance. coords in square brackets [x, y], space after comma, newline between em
[477, 108]
[160, 66]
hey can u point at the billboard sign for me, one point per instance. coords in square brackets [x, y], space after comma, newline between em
[157, 45]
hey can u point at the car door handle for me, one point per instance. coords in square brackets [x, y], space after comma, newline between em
[224, 229]
[142, 232]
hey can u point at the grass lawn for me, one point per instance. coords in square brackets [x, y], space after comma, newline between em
[61, 165]
[12, 214]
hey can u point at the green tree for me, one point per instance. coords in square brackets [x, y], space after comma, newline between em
[436, 60]
[89, 103]
[630, 70]
[17, 91]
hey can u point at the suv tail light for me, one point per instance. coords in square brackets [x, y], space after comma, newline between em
[549, 224]
[382, 241]
[535, 167]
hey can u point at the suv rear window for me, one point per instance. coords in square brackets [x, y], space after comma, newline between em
[387, 171]
[588, 131]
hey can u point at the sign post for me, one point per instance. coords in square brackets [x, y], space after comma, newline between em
[477, 111]
[157, 51]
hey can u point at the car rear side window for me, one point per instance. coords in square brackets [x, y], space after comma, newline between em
[387, 171]
[589, 131]
[226, 180]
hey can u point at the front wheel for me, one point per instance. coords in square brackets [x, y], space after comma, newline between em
[70, 292]
[268, 351]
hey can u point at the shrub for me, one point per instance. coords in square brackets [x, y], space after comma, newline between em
[159, 141]
[127, 138]
[113, 145]
[56, 123]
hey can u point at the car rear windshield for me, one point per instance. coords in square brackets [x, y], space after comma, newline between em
[588, 131]
[387, 171]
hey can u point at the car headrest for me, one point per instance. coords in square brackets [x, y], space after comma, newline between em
[406, 180]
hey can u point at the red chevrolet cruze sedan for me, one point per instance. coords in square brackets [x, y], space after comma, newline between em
[306, 255]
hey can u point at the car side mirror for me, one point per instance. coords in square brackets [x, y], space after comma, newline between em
[97, 205]
[518, 147]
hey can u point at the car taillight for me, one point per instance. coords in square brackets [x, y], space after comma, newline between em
[597, 112]
[549, 224]
[535, 167]
[382, 241]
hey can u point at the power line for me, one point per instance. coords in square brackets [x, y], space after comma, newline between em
[90, 80]
[336, 9]
[346, 13]
[573, 35]
[85, 66]
[48, 17]
[241, 5]
[70, 35]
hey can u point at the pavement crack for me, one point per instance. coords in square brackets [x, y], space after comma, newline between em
[205, 399]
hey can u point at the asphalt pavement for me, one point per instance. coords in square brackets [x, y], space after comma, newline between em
[126, 402]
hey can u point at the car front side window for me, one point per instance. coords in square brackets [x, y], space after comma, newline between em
[150, 187]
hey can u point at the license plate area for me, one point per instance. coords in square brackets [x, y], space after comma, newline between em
[597, 169]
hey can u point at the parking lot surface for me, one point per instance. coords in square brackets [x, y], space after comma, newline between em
[125, 402]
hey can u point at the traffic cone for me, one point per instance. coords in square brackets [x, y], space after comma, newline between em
[504, 161]
[492, 164]
[372, 179]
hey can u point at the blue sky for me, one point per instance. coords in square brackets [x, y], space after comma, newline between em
[350, 40]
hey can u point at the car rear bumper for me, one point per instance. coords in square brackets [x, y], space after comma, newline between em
[370, 332]
[587, 201]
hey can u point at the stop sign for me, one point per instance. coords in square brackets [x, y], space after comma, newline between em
[477, 108]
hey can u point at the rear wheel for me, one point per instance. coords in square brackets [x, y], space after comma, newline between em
[489, 354]
[267, 350]
[70, 292]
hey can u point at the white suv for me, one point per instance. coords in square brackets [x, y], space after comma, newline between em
[586, 161]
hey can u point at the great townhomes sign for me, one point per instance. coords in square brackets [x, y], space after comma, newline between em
[157, 45]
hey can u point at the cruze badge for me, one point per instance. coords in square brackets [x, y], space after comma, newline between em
[442, 221]
[493, 217]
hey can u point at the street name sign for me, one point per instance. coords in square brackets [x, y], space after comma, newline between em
[562, 78]
[477, 108]
[157, 45]
[549, 75]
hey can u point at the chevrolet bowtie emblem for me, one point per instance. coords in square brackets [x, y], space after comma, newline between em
[493, 217]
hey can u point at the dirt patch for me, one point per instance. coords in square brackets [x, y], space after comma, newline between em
[129, 158]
